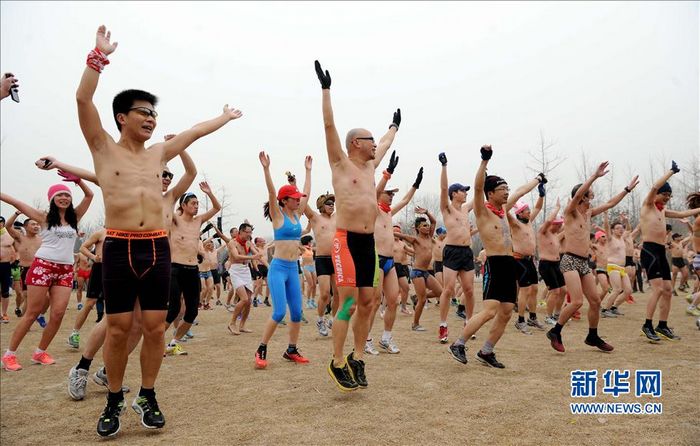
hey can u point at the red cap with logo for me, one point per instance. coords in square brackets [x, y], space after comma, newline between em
[289, 191]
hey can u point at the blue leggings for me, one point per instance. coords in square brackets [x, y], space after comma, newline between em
[285, 289]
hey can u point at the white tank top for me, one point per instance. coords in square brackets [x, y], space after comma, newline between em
[57, 244]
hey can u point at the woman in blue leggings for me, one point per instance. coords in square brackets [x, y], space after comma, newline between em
[283, 276]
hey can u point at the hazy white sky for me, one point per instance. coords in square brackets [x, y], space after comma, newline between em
[619, 80]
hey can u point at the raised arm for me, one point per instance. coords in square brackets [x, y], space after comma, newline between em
[606, 224]
[88, 116]
[431, 218]
[682, 214]
[34, 214]
[386, 175]
[388, 138]
[538, 208]
[308, 162]
[307, 229]
[520, 192]
[617, 198]
[89, 243]
[310, 213]
[583, 190]
[221, 235]
[10, 226]
[190, 174]
[649, 199]
[49, 162]
[550, 218]
[82, 208]
[215, 205]
[275, 213]
[479, 198]
[409, 195]
[333, 146]
[405, 237]
[444, 193]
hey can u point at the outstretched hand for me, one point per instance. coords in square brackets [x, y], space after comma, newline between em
[674, 167]
[420, 210]
[264, 159]
[69, 176]
[486, 152]
[397, 119]
[443, 158]
[204, 187]
[308, 161]
[602, 169]
[325, 79]
[102, 41]
[633, 183]
[232, 113]
[419, 179]
[393, 161]
[46, 163]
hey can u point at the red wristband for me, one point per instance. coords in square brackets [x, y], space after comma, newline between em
[97, 60]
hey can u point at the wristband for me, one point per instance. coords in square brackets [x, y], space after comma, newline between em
[97, 60]
[627, 189]
[386, 175]
[394, 125]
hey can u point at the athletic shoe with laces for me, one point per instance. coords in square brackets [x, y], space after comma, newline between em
[175, 350]
[693, 311]
[18, 312]
[147, 408]
[458, 352]
[616, 312]
[261, 359]
[667, 333]
[535, 323]
[329, 322]
[295, 356]
[607, 313]
[341, 377]
[189, 334]
[100, 378]
[599, 343]
[74, 340]
[549, 320]
[442, 334]
[650, 334]
[489, 359]
[41, 320]
[9, 363]
[389, 346]
[555, 341]
[576, 315]
[77, 383]
[522, 327]
[108, 425]
[357, 370]
[417, 327]
[461, 314]
[369, 348]
[322, 328]
[42, 358]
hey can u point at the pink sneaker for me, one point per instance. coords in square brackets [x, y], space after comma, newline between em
[9, 363]
[42, 358]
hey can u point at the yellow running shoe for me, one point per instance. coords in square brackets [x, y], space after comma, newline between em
[175, 350]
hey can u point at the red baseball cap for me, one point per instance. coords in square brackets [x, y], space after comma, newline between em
[289, 191]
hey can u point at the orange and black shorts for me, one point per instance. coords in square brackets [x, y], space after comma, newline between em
[135, 265]
[355, 259]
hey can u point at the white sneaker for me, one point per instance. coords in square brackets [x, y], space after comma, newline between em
[322, 328]
[77, 382]
[369, 348]
[522, 327]
[390, 347]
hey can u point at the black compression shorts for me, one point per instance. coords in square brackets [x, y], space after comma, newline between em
[458, 258]
[401, 270]
[184, 280]
[324, 266]
[94, 289]
[678, 262]
[262, 270]
[653, 260]
[215, 276]
[438, 266]
[501, 279]
[527, 274]
[551, 274]
[5, 279]
[629, 261]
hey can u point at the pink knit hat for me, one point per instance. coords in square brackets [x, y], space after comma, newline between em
[57, 189]
[521, 206]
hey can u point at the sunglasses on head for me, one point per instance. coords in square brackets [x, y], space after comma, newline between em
[167, 175]
[145, 111]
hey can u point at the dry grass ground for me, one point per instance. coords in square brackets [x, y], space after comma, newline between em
[421, 396]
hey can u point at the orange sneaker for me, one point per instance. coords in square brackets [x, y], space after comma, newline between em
[9, 363]
[295, 356]
[577, 315]
[42, 358]
[630, 299]
[260, 361]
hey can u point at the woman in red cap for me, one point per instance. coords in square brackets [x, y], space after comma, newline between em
[50, 277]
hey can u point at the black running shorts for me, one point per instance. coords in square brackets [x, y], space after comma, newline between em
[438, 266]
[629, 261]
[501, 279]
[653, 260]
[94, 290]
[458, 258]
[184, 280]
[324, 266]
[527, 274]
[551, 274]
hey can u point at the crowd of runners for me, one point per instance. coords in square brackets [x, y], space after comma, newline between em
[154, 266]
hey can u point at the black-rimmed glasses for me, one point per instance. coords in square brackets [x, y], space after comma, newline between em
[145, 111]
[167, 175]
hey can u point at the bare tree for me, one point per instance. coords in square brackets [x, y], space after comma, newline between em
[545, 159]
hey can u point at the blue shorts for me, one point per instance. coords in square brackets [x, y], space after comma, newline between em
[205, 274]
[386, 263]
[419, 273]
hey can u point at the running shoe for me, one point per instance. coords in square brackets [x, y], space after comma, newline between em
[41, 320]
[108, 425]
[667, 333]
[267, 303]
[405, 310]
[616, 312]
[689, 298]
[261, 359]
[693, 311]
[650, 334]
[4, 319]
[489, 359]
[461, 314]
[175, 350]
[189, 334]
[100, 377]
[458, 352]
[321, 326]
[341, 377]
[556, 341]
[576, 315]
[389, 346]
[218, 303]
[357, 370]
[77, 383]
[9, 363]
[599, 343]
[442, 334]
[295, 356]
[417, 327]
[369, 348]
[42, 358]
[522, 327]
[629, 299]
[549, 320]
[303, 319]
[74, 340]
[18, 312]
[329, 322]
[607, 313]
[535, 323]
[80, 307]
[255, 303]
[147, 408]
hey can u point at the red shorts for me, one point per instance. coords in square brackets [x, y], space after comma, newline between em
[84, 273]
[46, 273]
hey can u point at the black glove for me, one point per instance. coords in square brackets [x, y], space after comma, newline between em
[443, 158]
[540, 189]
[397, 119]
[674, 167]
[541, 178]
[208, 227]
[200, 258]
[324, 78]
[486, 152]
[419, 178]
[393, 161]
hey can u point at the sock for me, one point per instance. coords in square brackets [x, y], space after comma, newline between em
[592, 332]
[487, 349]
[443, 323]
[10, 352]
[147, 392]
[662, 324]
[38, 350]
[84, 363]
[649, 323]
[173, 343]
[461, 308]
[115, 397]
[521, 319]
[533, 316]
[613, 307]
[262, 347]
[386, 336]
[460, 341]
[291, 348]
[320, 318]
[557, 328]
[75, 331]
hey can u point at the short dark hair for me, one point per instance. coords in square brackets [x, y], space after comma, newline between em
[244, 226]
[125, 100]
[420, 220]
[615, 223]
[675, 235]
[305, 240]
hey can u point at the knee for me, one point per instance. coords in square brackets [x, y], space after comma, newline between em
[191, 313]
[57, 313]
[489, 313]
[278, 312]
[118, 331]
[153, 331]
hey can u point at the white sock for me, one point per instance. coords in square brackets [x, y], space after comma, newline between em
[10, 352]
[320, 318]
[443, 323]
[386, 336]
[173, 342]
[75, 331]
[38, 350]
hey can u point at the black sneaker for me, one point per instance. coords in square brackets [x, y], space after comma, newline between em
[459, 353]
[151, 416]
[489, 360]
[341, 376]
[357, 370]
[667, 333]
[461, 315]
[18, 312]
[108, 425]
[650, 334]
[599, 343]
